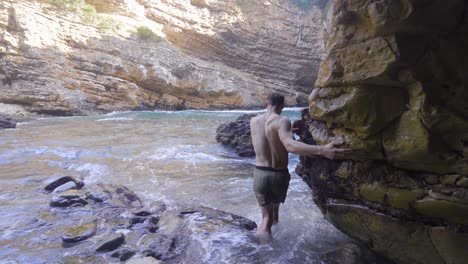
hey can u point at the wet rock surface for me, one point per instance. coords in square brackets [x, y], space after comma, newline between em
[62, 181]
[392, 87]
[352, 253]
[398, 213]
[118, 225]
[6, 122]
[80, 233]
[236, 135]
[124, 254]
[111, 243]
[67, 200]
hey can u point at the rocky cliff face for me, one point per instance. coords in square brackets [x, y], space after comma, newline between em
[69, 57]
[393, 86]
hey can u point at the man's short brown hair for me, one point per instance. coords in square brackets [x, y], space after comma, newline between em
[276, 99]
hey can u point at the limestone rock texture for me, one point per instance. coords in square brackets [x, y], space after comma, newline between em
[77, 58]
[393, 87]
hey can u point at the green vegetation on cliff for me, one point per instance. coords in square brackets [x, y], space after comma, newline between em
[145, 33]
[87, 12]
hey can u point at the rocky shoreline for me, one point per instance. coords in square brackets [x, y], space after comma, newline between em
[102, 222]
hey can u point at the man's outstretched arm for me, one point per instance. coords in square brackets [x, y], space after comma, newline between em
[329, 151]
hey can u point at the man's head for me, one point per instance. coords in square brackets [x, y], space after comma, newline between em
[276, 101]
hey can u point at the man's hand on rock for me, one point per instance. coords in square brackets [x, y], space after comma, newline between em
[331, 151]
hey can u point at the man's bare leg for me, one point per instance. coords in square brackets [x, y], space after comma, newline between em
[264, 230]
[275, 213]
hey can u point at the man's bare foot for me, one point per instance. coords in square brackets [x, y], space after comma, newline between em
[264, 237]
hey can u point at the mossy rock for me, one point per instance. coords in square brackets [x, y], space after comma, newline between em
[454, 213]
[369, 62]
[400, 241]
[403, 198]
[450, 179]
[363, 149]
[463, 182]
[431, 178]
[409, 144]
[373, 192]
[452, 245]
[364, 109]
[80, 233]
[345, 170]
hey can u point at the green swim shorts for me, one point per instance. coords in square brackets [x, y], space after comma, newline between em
[270, 185]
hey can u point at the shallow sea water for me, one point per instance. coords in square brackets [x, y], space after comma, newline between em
[162, 156]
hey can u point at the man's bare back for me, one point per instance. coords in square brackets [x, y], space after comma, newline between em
[272, 139]
[269, 150]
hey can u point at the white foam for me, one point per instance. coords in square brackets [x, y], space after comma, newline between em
[115, 119]
[42, 150]
[225, 243]
[96, 171]
[24, 123]
[186, 153]
[59, 117]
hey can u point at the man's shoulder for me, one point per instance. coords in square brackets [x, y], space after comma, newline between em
[257, 118]
[277, 121]
[283, 119]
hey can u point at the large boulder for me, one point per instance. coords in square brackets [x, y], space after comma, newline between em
[392, 83]
[406, 215]
[236, 135]
[393, 87]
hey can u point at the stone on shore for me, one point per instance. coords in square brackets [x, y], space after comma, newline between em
[80, 233]
[64, 180]
[236, 135]
[6, 122]
[111, 243]
[67, 201]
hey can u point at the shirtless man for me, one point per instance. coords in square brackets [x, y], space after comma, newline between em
[272, 140]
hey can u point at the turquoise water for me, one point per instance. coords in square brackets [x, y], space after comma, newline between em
[163, 156]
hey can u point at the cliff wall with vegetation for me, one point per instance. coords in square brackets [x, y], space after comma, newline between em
[76, 57]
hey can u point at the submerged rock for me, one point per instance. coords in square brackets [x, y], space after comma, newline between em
[111, 243]
[114, 194]
[351, 253]
[68, 200]
[236, 135]
[123, 254]
[80, 233]
[6, 122]
[121, 228]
